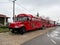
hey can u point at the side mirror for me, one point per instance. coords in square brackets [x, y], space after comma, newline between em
[27, 18]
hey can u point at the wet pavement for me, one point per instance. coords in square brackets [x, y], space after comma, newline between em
[51, 38]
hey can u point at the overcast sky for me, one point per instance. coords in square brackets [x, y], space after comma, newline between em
[47, 8]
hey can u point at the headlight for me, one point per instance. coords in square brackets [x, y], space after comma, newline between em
[21, 25]
[16, 26]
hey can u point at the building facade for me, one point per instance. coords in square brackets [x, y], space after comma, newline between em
[3, 20]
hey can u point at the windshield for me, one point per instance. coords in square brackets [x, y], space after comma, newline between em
[21, 18]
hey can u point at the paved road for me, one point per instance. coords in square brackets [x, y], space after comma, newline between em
[9, 38]
[51, 38]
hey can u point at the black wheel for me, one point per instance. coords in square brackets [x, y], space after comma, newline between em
[12, 31]
[43, 27]
[23, 30]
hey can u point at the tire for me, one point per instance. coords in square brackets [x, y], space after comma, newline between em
[12, 31]
[43, 27]
[23, 30]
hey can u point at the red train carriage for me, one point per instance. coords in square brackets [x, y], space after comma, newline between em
[52, 23]
[27, 22]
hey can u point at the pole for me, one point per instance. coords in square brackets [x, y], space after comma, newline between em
[13, 11]
[37, 14]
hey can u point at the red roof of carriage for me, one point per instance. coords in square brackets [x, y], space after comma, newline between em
[29, 15]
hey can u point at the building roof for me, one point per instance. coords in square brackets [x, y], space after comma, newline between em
[1, 15]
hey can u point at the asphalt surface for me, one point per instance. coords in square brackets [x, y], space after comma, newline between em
[51, 38]
[9, 38]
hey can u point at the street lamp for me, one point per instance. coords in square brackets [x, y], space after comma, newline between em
[13, 10]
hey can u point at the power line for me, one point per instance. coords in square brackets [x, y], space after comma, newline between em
[24, 8]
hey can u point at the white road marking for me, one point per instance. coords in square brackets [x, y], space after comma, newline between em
[47, 35]
[53, 41]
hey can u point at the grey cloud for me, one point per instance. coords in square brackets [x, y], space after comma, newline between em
[39, 2]
[49, 8]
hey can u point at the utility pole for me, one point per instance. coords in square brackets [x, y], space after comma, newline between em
[37, 14]
[13, 10]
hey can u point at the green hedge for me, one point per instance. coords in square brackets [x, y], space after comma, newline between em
[4, 29]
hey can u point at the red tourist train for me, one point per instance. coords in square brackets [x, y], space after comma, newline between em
[27, 22]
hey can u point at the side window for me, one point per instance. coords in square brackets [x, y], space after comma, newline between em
[48, 22]
[36, 19]
[52, 22]
[33, 19]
